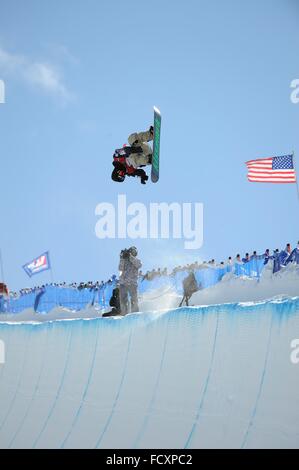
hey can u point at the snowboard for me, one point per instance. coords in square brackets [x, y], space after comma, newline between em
[156, 146]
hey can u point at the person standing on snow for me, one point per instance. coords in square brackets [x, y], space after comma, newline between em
[128, 160]
[294, 256]
[129, 267]
[246, 259]
[266, 256]
[114, 303]
[276, 261]
[285, 254]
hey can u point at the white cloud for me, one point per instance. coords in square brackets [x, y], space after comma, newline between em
[10, 62]
[60, 51]
[38, 74]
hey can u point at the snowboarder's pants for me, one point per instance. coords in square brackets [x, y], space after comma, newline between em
[138, 159]
[138, 140]
[125, 291]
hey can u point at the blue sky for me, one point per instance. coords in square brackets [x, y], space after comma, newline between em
[82, 75]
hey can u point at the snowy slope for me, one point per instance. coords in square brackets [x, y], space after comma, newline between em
[197, 377]
[246, 289]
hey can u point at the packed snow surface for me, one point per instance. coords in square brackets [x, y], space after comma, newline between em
[208, 376]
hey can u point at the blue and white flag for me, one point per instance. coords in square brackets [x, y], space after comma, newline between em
[37, 265]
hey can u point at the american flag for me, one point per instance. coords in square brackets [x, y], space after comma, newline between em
[272, 170]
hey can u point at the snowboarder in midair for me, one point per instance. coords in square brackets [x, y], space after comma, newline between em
[128, 160]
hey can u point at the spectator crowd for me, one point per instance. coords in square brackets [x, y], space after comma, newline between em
[279, 258]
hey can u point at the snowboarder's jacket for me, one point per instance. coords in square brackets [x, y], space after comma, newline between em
[123, 168]
[121, 155]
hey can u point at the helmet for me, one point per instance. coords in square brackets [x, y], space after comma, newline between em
[117, 175]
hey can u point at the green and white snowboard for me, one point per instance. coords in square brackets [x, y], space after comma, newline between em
[156, 146]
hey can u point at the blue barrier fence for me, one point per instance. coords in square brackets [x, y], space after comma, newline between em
[45, 299]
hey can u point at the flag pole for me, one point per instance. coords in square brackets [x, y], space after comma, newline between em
[52, 280]
[296, 172]
[1, 264]
[2, 278]
[51, 275]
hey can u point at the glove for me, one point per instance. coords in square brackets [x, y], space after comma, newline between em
[144, 179]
